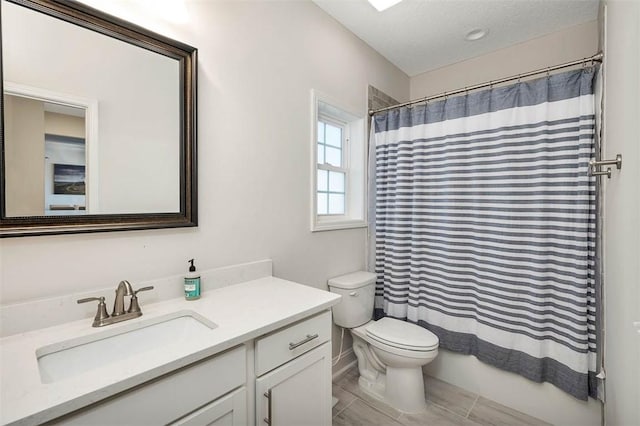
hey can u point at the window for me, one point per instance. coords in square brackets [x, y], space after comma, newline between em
[338, 166]
[332, 168]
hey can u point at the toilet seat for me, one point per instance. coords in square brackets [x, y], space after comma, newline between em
[402, 335]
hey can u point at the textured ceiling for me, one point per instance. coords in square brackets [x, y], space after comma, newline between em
[422, 35]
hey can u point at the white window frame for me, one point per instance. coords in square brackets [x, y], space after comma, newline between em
[328, 110]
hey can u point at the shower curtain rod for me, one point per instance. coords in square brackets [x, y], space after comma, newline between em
[595, 58]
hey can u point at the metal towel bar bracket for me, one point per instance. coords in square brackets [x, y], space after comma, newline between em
[593, 166]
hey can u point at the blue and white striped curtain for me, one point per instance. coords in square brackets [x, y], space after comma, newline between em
[484, 219]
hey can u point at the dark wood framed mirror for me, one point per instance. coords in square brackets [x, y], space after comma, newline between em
[98, 129]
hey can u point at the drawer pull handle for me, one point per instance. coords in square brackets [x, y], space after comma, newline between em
[268, 419]
[307, 339]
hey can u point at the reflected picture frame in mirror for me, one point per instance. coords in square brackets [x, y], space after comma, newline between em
[78, 14]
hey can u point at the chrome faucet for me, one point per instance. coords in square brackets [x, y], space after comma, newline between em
[119, 314]
[124, 289]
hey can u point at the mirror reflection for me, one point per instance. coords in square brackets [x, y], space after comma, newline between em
[92, 123]
[46, 159]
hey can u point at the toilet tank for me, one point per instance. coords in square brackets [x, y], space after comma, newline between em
[356, 306]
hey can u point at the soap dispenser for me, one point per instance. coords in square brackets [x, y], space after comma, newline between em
[192, 283]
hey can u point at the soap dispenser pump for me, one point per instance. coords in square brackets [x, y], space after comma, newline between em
[192, 283]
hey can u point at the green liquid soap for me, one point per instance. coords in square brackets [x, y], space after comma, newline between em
[192, 283]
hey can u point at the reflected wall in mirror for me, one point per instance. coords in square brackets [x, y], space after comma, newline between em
[99, 123]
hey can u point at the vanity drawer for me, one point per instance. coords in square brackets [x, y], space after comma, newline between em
[287, 343]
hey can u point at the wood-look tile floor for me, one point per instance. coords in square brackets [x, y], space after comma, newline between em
[447, 405]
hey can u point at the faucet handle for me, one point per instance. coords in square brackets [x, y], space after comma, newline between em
[135, 293]
[134, 306]
[101, 314]
[90, 299]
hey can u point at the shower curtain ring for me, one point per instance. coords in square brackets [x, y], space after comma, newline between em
[548, 72]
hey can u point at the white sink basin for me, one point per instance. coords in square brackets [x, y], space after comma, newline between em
[76, 356]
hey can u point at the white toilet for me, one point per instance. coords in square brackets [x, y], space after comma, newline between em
[390, 352]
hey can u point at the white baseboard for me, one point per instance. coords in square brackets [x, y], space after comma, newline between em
[347, 361]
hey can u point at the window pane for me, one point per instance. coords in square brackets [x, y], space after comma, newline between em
[336, 203]
[333, 135]
[321, 154]
[320, 131]
[336, 182]
[322, 203]
[334, 156]
[322, 180]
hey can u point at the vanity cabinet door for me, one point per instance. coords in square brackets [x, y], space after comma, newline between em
[230, 410]
[298, 393]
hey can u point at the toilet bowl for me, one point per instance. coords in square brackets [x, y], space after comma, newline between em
[390, 352]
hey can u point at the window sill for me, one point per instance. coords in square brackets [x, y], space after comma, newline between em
[336, 224]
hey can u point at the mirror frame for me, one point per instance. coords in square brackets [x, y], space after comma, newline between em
[110, 26]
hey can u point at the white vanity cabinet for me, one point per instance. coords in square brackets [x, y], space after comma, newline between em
[293, 369]
[169, 398]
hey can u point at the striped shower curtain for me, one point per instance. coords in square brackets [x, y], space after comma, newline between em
[484, 225]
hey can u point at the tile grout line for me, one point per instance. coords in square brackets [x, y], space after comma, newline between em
[345, 407]
[370, 405]
[449, 410]
[472, 406]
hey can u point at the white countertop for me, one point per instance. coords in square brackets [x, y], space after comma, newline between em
[242, 312]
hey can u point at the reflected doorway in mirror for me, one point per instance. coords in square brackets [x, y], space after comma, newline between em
[44, 128]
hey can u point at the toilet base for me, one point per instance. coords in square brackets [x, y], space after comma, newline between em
[401, 388]
[405, 389]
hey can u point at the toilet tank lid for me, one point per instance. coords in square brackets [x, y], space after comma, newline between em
[353, 280]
